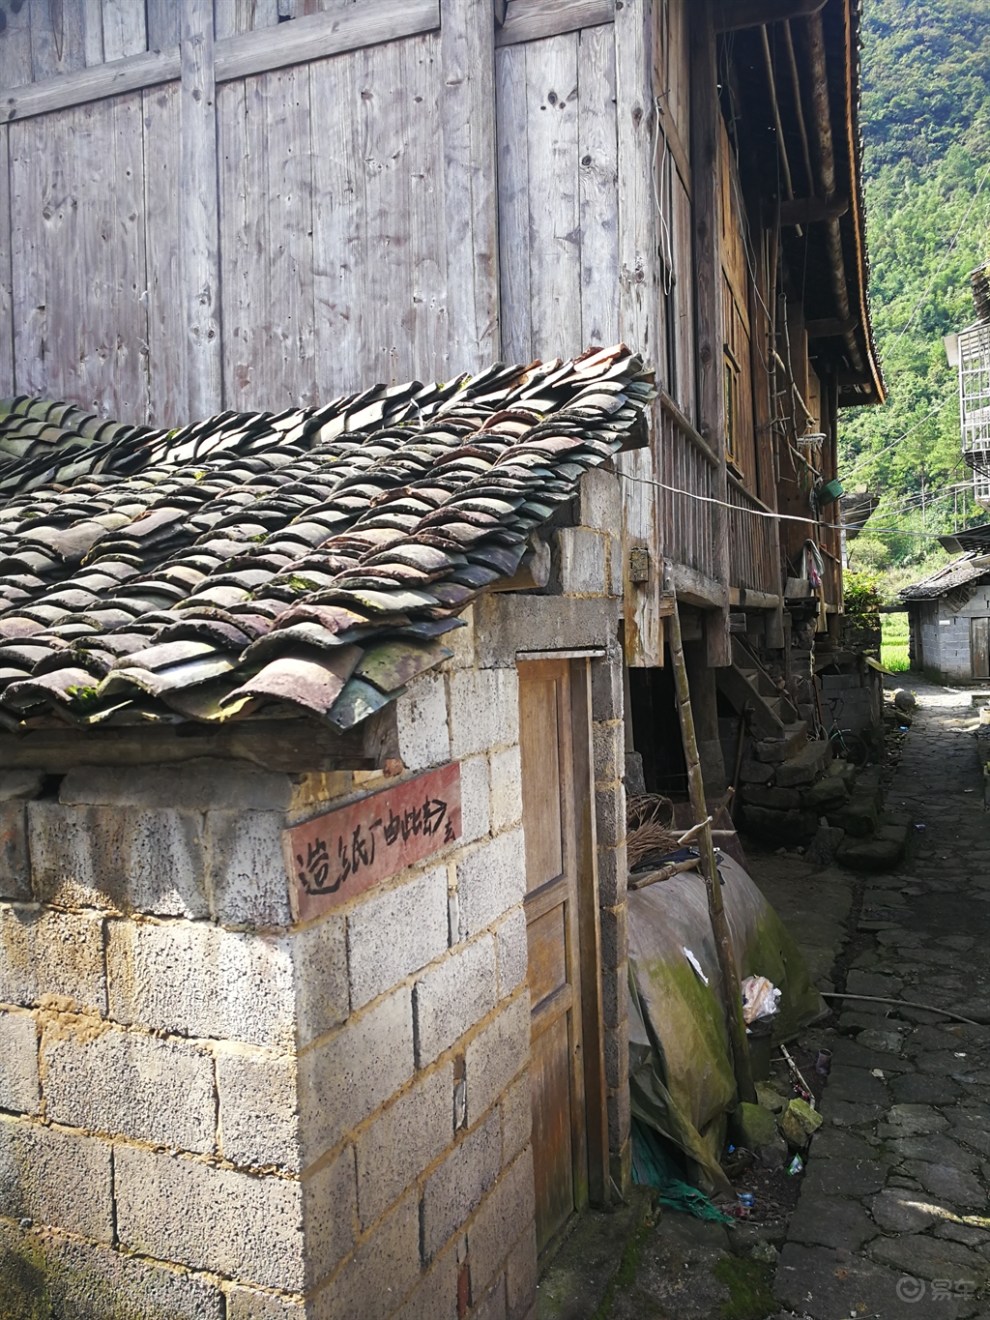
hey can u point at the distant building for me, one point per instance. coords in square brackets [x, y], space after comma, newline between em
[974, 388]
[950, 612]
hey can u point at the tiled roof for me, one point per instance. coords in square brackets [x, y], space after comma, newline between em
[308, 560]
[959, 573]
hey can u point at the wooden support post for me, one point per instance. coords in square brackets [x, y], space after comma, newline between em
[728, 972]
[708, 287]
[199, 213]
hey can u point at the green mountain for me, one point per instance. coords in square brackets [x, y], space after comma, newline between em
[926, 126]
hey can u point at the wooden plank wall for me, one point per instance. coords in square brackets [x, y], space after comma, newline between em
[558, 212]
[242, 225]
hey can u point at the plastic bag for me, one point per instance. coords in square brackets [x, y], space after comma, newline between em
[761, 999]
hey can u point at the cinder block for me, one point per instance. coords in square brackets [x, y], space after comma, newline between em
[248, 882]
[250, 1304]
[511, 952]
[600, 500]
[82, 1279]
[15, 872]
[55, 1178]
[496, 1055]
[395, 932]
[383, 1269]
[452, 996]
[609, 749]
[421, 720]
[258, 1108]
[201, 980]
[619, 1118]
[19, 785]
[180, 1210]
[201, 785]
[129, 859]
[348, 1076]
[615, 995]
[319, 961]
[403, 1141]
[484, 710]
[506, 784]
[475, 799]
[521, 1276]
[51, 953]
[491, 878]
[127, 1083]
[517, 1118]
[583, 571]
[613, 874]
[458, 1185]
[19, 1086]
[491, 1305]
[610, 814]
[506, 1212]
[616, 1059]
[614, 935]
[329, 1215]
[607, 691]
[435, 1297]
[462, 642]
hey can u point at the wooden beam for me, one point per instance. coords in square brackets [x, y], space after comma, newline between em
[317, 35]
[95, 84]
[290, 746]
[532, 20]
[731, 15]
[830, 327]
[470, 197]
[811, 210]
[309, 38]
[199, 209]
[706, 197]
[694, 588]
[639, 303]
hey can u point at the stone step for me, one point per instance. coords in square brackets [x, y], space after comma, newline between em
[883, 852]
[805, 766]
[790, 741]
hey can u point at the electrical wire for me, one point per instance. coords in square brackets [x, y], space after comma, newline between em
[818, 524]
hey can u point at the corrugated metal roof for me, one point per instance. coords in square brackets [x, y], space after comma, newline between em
[310, 560]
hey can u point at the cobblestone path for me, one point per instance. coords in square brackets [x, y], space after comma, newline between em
[893, 1220]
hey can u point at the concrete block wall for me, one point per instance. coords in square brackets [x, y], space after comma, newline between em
[946, 633]
[208, 1111]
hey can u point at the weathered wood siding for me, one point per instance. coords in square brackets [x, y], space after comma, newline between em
[196, 213]
[558, 205]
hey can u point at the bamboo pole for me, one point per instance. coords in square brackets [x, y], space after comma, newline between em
[728, 974]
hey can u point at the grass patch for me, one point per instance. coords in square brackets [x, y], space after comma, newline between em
[748, 1282]
[895, 644]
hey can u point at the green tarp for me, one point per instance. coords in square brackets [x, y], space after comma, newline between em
[681, 1077]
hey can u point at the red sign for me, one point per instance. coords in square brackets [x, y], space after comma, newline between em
[344, 852]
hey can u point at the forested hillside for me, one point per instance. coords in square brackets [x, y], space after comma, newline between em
[926, 124]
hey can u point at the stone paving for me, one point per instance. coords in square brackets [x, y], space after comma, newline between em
[893, 1219]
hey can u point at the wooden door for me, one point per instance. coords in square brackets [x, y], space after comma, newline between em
[556, 792]
[980, 647]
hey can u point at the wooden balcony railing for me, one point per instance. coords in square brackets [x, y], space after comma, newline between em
[754, 550]
[687, 462]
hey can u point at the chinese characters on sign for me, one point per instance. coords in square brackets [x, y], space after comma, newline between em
[338, 855]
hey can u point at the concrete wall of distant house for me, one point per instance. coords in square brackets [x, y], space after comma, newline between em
[945, 630]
